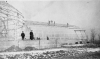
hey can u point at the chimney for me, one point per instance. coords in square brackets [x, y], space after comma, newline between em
[67, 24]
[51, 21]
[54, 22]
[48, 22]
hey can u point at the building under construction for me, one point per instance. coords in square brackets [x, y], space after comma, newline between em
[11, 21]
[51, 34]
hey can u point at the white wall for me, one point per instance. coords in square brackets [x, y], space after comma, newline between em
[54, 32]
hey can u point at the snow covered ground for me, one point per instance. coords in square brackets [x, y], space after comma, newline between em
[55, 49]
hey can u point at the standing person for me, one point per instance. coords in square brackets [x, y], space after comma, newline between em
[23, 35]
[47, 38]
[31, 35]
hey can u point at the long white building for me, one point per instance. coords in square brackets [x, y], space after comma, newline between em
[64, 32]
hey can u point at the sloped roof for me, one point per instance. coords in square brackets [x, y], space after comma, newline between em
[6, 6]
[56, 24]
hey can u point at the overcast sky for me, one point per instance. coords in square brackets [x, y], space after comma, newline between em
[85, 14]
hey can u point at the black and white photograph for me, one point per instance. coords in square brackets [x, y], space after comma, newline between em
[49, 29]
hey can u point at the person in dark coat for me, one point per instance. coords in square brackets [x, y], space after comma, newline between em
[23, 35]
[31, 35]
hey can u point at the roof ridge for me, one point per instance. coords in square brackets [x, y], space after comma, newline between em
[46, 23]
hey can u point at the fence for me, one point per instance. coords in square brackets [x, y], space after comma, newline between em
[39, 44]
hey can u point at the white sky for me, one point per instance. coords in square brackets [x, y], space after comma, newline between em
[85, 14]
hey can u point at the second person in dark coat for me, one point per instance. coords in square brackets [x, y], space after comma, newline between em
[31, 35]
